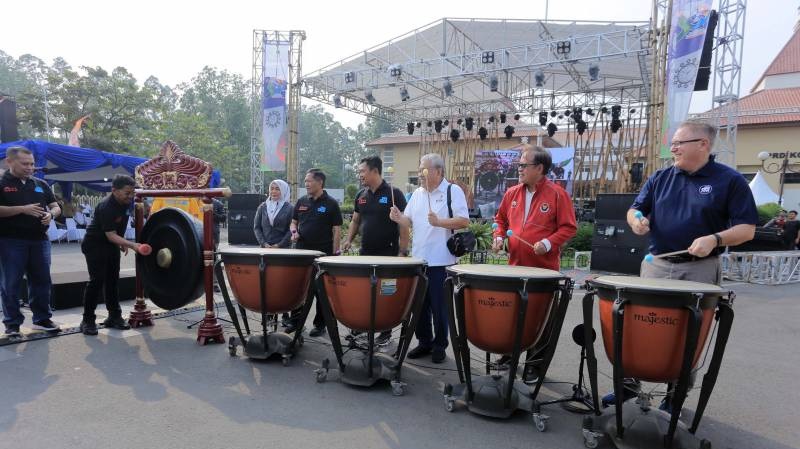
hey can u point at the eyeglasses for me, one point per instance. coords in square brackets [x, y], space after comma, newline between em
[678, 143]
[524, 166]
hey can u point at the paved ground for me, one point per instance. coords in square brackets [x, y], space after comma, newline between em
[156, 387]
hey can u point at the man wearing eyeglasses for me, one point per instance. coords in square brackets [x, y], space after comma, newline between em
[537, 211]
[697, 205]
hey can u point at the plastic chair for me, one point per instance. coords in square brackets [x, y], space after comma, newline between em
[73, 233]
[55, 234]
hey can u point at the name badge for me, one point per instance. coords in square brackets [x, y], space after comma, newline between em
[38, 190]
[321, 209]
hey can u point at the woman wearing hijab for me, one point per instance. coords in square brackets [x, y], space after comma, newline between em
[273, 217]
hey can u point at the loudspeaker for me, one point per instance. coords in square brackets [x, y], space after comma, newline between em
[615, 248]
[636, 172]
[8, 121]
[704, 68]
[241, 214]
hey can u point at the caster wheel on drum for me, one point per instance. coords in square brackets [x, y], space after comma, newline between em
[321, 375]
[232, 346]
[540, 421]
[590, 442]
[448, 389]
[449, 404]
[286, 361]
[398, 388]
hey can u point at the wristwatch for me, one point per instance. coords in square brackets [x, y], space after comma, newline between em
[719, 238]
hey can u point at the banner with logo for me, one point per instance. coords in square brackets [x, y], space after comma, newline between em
[275, 69]
[687, 35]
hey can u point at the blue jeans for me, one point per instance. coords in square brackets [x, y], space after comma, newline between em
[432, 325]
[25, 257]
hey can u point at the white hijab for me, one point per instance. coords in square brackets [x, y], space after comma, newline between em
[273, 207]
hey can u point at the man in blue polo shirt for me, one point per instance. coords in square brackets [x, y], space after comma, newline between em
[698, 205]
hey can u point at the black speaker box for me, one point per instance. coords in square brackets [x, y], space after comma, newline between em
[241, 214]
[8, 121]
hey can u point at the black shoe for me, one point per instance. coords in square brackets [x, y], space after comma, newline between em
[438, 356]
[217, 289]
[12, 330]
[317, 331]
[88, 328]
[419, 351]
[383, 338]
[116, 323]
[290, 327]
[46, 325]
[285, 320]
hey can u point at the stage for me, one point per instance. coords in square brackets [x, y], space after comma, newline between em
[155, 387]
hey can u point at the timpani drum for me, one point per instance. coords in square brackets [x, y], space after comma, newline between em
[654, 330]
[505, 310]
[268, 281]
[370, 294]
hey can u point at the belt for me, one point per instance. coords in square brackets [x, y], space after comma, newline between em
[683, 258]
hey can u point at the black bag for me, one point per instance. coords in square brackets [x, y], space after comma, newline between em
[459, 243]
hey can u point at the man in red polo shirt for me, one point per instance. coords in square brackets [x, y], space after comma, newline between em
[536, 210]
[539, 212]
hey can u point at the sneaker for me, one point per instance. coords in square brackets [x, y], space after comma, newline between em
[611, 398]
[383, 338]
[116, 323]
[46, 325]
[12, 330]
[419, 351]
[88, 328]
[438, 356]
[316, 332]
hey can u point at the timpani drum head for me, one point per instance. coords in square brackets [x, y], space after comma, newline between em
[655, 322]
[492, 303]
[287, 277]
[347, 283]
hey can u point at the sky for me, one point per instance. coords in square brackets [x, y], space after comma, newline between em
[174, 41]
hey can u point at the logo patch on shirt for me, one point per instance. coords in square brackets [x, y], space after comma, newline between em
[705, 190]
[384, 200]
[38, 190]
[9, 189]
[321, 209]
[302, 208]
[514, 203]
[362, 201]
[544, 207]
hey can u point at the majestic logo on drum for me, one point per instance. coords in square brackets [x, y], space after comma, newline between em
[705, 190]
[544, 207]
[493, 302]
[652, 319]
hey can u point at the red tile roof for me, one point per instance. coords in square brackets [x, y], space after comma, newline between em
[787, 60]
[766, 106]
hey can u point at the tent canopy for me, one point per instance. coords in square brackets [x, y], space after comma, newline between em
[89, 167]
[762, 192]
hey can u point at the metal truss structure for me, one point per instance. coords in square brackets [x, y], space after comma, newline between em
[295, 38]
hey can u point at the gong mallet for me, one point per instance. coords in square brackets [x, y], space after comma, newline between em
[425, 174]
[390, 170]
[145, 249]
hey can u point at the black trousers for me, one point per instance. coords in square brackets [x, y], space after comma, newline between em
[319, 318]
[103, 265]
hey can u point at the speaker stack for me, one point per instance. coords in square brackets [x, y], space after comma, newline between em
[615, 248]
[241, 214]
[8, 120]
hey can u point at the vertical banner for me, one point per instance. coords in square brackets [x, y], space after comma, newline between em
[687, 35]
[275, 70]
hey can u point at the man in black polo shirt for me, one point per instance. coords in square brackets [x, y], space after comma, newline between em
[27, 206]
[380, 236]
[315, 225]
[101, 247]
[697, 205]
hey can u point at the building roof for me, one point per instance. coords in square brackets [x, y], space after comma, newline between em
[766, 106]
[787, 60]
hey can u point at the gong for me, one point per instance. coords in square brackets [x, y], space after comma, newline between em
[172, 275]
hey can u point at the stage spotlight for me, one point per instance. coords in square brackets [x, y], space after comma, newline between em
[604, 110]
[469, 122]
[590, 111]
[580, 126]
[430, 123]
[349, 77]
[542, 118]
[493, 82]
[553, 113]
[491, 119]
[551, 129]
[337, 101]
[616, 110]
[368, 95]
[447, 122]
[447, 88]
[567, 112]
[594, 72]
[482, 133]
[516, 117]
[459, 121]
[454, 135]
[509, 131]
[437, 125]
[419, 125]
[539, 78]
[404, 94]
[615, 124]
[560, 117]
[632, 111]
[410, 128]
[487, 57]
[502, 117]
[396, 70]
[563, 47]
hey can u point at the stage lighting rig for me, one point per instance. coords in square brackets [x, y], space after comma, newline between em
[594, 72]
[368, 95]
[396, 70]
[508, 131]
[349, 77]
[337, 101]
[542, 118]
[493, 82]
[502, 117]
[538, 77]
[469, 123]
[454, 135]
[447, 88]
[551, 129]
[410, 128]
[482, 133]
[437, 125]
[563, 47]
[487, 57]
[404, 96]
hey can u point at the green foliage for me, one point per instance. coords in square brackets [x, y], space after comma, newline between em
[483, 234]
[583, 238]
[350, 193]
[767, 212]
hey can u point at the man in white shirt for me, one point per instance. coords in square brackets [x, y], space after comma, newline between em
[427, 215]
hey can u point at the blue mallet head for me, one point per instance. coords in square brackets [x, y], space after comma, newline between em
[494, 226]
[509, 233]
[648, 258]
[638, 214]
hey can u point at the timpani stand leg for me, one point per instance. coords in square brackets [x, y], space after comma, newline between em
[231, 310]
[262, 281]
[725, 317]
[330, 324]
[373, 303]
[514, 362]
[410, 323]
[455, 292]
[682, 387]
[591, 358]
[461, 336]
[618, 320]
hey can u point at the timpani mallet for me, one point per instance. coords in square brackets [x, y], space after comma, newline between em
[425, 174]
[390, 170]
[510, 233]
[650, 258]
